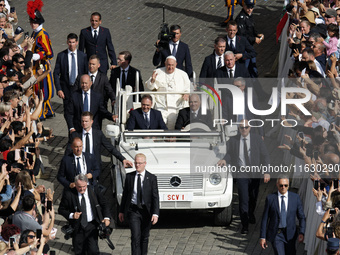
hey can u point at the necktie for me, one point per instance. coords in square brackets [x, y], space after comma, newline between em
[231, 75]
[123, 79]
[232, 47]
[87, 143]
[245, 152]
[86, 103]
[147, 121]
[219, 63]
[139, 192]
[92, 78]
[73, 69]
[174, 51]
[283, 219]
[95, 37]
[83, 220]
[78, 166]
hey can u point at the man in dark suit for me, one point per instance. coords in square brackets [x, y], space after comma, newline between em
[70, 64]
[176, 48]
[100, 82]
[231, 69]
[228, 106]
[141, 202]
[239, 45]
[214, 61]
[84, 209]
[244, 151]
[83, 101]
[279, 219]
[94, 40]
[145, 117]
[193, 114]
[125, 73]
[75, 163]
[94, 139]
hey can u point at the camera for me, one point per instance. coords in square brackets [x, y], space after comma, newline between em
[68, 231]
[19, 30]
[164, 35]
[103, 231]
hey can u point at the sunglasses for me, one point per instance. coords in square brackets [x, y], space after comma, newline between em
[2, 5]
[285, 185]
[31, 236]
[6, 81]
[244, 127]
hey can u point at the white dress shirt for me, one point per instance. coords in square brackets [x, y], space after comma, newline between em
[171, 46]
[88, 98]
[134, 195]
[285, 200]
[82, 161]
[217, 57]
[95, 76]
[92, 31]
[90, 138]
[69, 55]
[242, 160]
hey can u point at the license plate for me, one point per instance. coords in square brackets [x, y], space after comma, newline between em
[188, 196]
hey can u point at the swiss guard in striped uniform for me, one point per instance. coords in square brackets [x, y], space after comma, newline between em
[42, 54]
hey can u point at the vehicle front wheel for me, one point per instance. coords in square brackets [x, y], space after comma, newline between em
[223, 216]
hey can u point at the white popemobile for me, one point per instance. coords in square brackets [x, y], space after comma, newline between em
[184, 161]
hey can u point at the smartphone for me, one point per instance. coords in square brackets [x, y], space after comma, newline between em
[27, 34]
[49, 205]
[17, 154]
[322, 185]
[42, 210]
[19, 109]
[12, 9]
[336, 184]
[316, 184]
[301, 135]
[12, 241]
[31, 149]
[30, 158]
[22, 155]
[332, 211]
[39, 233]
[316, 155]
[42, 198]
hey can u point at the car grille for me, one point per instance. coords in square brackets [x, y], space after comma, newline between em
[188, 181]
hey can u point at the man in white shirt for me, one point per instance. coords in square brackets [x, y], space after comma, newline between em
[70, 64]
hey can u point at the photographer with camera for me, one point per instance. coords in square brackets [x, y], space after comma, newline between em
[170, 44]
[329, 226]
[84, 209]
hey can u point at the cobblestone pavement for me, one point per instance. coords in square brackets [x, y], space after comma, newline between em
[134, 26]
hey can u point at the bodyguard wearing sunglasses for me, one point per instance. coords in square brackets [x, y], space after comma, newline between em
[246, 151]
[278, 221]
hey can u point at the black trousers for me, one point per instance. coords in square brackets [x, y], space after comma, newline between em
[248, 189]
[85, 241]
[140, 224]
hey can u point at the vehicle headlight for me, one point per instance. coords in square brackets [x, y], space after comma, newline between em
[215, 179]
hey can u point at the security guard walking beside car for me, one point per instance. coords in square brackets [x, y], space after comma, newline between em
[141, 203]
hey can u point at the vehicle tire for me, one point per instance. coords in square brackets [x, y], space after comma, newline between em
[223, 216]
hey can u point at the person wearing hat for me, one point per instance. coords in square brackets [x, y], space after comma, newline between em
[330, 16]
[333, 246]
[42, 54]
[246, 28]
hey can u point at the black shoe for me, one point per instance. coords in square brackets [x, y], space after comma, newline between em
[252, 219]
[244, 231]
